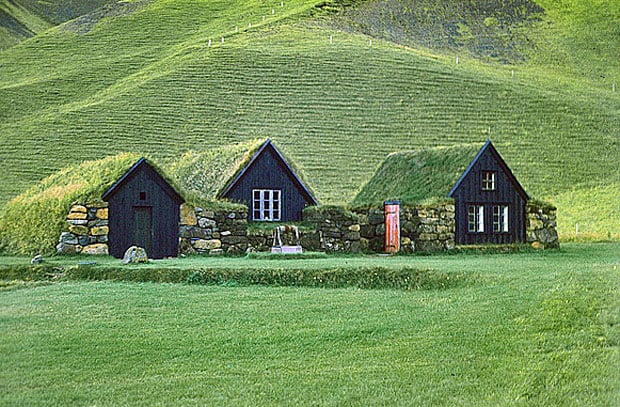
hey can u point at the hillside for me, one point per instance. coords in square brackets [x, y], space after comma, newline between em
[22, 19]
[164, 77]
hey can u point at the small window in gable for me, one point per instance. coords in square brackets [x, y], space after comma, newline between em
[488, 180]
[143, 196]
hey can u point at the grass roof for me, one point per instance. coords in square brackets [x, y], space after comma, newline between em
[417, 177]
[204, 175]
[31, 222]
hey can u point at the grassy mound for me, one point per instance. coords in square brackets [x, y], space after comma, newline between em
[32, 222]
[205, 173]
[417, 177]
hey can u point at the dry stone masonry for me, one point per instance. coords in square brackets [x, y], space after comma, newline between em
[422, 228]
[337, 230]
[86, 229]
[541, 226]
[213, 231]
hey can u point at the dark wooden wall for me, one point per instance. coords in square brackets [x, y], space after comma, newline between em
[269, 172]
[127, 211]
[470, 193]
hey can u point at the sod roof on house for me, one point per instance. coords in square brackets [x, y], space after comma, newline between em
[418, 177]
[206, 174]
[31, 222]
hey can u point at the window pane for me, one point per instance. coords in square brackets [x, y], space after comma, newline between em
[488, 181]
[480, 218]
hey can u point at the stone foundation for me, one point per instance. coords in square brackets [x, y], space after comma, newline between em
[86, 229]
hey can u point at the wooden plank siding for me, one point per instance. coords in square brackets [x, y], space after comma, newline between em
[268, 170]
[139, 192]
[468, 191]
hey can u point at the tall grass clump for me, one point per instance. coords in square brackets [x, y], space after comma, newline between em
[32, 222]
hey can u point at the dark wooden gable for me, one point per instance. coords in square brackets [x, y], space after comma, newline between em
[143, 211]
[269, 170]
[469, 192]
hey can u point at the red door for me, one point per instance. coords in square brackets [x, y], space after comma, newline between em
[392, 226]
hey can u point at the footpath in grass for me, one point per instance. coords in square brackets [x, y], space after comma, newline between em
[533, 329]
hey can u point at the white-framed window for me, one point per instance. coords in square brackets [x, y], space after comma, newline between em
[488, 180]
[500, 218]
[266, 204]
[475, 219]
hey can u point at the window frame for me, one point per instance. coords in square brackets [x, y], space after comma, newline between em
[501, 219]
[488, 180]
[267, 205]
[475, 218]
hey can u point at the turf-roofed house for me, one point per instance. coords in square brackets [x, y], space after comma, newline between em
[460, 195]
[489, 201]
[270, 187]
[143, 211]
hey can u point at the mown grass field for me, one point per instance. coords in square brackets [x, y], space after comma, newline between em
[531, 329]
[147, 81]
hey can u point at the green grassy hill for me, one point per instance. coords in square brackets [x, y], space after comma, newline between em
[22, 19]
[163, 77]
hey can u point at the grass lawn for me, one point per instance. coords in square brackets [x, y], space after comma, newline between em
[530, 329]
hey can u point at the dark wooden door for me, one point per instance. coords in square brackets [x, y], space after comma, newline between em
[143, 228]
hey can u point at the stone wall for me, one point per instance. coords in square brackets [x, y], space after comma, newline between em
[261, 240]
[87, 229]
[436, 228]
[337, 230]
[217, 231]
[541, 226]
[422, 228]
[213, 231]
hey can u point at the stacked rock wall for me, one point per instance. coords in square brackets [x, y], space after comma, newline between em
[422, 228]
[435, 231]
[217, 231]
[337, 230]
[213, 231]
[87, 229]
[261, 240]
[541, 226]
